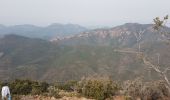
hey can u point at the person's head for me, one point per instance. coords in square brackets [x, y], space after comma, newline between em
[4, 84]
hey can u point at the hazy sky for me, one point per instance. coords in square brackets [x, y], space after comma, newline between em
[83, 12]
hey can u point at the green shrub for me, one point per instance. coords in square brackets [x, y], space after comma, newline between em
[53, 92]
[21, 87]
[67, 86]
[97, 88]
[44, 86]
[155, 90]
[36, 90]
[24, 87]
[133, 87]
[39, 88]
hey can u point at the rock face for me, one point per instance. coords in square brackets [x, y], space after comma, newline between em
[124, 35]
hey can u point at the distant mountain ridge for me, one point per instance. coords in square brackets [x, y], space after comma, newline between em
[123, 35]
[48, 32]
[84, 54]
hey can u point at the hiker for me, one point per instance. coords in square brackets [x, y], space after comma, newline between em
[5, 92]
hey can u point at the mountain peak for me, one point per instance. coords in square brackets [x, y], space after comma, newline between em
[14, 36]
[48, 32]
[2, 26]
[135, 25]
[55, 25]
[132, 24]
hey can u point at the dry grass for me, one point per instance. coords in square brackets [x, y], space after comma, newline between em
[29, 97]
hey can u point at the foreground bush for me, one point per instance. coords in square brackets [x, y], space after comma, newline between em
[67, 86]
[156, 90]
[133, 88]
[24, 87]
[53, 92]
[97, 88]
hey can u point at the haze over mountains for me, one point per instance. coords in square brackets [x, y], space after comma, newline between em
[48, 32]
[87, 53]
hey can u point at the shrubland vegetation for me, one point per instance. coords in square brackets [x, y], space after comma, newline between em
[24, 87]
[99, 88]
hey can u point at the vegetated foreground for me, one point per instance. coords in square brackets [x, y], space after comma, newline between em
[90, 88]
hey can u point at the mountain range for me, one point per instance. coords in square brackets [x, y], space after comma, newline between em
[87, 53]
[48, 32]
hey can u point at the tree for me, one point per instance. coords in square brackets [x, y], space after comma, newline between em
[160, 27]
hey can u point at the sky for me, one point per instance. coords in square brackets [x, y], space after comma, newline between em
[82, 12]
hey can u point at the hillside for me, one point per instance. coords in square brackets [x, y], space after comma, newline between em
[85, 54]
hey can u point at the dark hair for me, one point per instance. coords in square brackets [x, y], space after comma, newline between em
[4, 84]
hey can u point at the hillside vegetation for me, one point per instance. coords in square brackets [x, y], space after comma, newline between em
[86, 54]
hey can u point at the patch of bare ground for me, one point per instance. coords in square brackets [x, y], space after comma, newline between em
[29, 97]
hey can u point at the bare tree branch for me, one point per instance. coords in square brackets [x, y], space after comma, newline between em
[167, 69]
[150, 65]
[159, 26]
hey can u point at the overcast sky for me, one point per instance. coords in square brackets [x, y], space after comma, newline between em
[83, 12]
